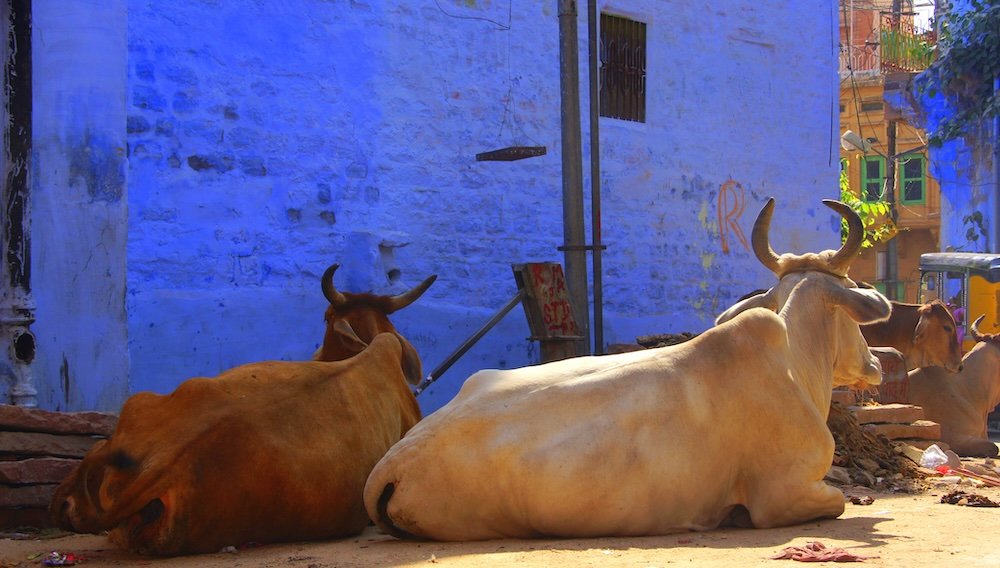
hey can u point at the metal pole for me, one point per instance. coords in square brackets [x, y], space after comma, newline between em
[995, 243]
[595, 178]
[574, 249]
[450, 360]
[892, 270]
[890, 182]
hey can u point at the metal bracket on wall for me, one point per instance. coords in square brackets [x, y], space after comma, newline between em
[541, 290]
[511, 153]
[564, 248]
[457, 354]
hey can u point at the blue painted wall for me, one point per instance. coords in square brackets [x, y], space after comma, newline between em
[268, 140]
[966, 171]
[79, 202]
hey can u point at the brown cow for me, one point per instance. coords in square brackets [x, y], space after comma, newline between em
[265, 452]
[961, 403]
[924, 333]
[367, 316]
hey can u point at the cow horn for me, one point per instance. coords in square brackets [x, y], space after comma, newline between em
[335, 298]
[974, 330]
[407, 298]
[761, 244]
[841, 261]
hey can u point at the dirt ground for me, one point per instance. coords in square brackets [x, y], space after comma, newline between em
[913, 530]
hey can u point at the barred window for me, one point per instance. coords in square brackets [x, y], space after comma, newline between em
[623, 68]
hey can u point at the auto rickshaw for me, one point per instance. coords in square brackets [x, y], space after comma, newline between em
[969, 283]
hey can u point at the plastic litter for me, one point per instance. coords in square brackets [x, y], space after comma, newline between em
[933, 456]
[57, 559]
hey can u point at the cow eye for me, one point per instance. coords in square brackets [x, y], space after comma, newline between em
[949, 329]
[121, 460]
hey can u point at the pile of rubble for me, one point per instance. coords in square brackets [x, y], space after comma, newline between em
[664, 339]
[651, 342]
[38, 449]
[867, 458]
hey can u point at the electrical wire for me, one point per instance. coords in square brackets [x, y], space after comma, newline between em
[500, 26]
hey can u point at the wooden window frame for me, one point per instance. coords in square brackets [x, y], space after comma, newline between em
[921, 179]
[865, 180]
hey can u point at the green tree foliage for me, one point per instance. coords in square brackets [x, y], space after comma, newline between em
[966, 69]
[874, 215]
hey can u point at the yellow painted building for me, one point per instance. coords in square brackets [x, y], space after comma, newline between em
[865, 78]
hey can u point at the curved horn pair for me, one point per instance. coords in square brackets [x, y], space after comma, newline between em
[840, 261]
[400, 301]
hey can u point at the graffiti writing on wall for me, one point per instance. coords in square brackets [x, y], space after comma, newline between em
[550, 286]
[732, 202]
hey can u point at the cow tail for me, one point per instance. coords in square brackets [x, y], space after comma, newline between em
[384, 521]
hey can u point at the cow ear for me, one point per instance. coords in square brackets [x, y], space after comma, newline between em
[765, 300]
[918, 332]
[412, 369]
[347, 337]
[862, 304]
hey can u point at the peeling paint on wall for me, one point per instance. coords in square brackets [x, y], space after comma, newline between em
[99, 165]
[256, 160]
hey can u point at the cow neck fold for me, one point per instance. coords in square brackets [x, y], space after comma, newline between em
[811, 366]
[897, 333]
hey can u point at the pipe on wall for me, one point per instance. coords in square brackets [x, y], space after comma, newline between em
[595, 179]
[573, 248]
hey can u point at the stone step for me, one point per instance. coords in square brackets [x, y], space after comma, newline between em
[16, 518]
[887, 413]
[18, 419]
[919, 429]
[845, 397]
[36, 470]
[36, 444]
[26, 495]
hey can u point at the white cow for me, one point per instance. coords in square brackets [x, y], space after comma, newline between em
[961, 402]
[728, 427]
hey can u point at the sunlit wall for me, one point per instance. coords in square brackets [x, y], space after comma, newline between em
[266, 140]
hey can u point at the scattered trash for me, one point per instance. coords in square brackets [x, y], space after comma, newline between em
[56, 559]
[948, 480]
[862, 499]
[229, 550]
[989, 480]
[933, 457]
[968, 499]
[818, 552]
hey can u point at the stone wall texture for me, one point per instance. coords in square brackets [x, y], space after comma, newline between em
[267, 140]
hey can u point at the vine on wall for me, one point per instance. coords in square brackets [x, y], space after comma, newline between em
[965, 70]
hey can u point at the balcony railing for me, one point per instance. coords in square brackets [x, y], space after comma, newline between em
[903, 48]
[891, 46]
[861, 59]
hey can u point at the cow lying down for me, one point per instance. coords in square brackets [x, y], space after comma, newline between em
[961, 403]
[727, 427]
[265, 452]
